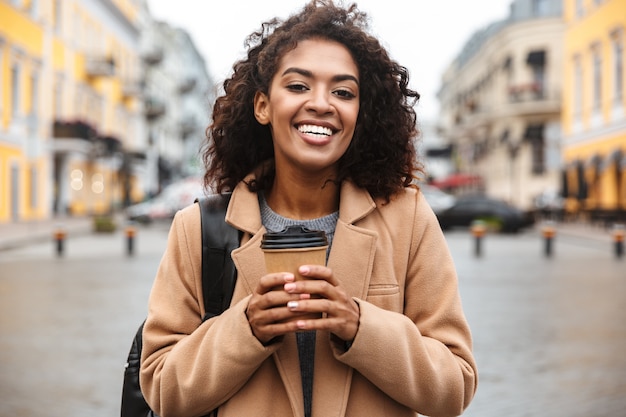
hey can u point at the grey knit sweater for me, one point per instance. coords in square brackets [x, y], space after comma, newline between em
[274, 222]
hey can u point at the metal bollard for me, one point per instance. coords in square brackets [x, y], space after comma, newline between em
[548, 231]
[59, 238]
[130, 239]
[478, 229]
[618, 240]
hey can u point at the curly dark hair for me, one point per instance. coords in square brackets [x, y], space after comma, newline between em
[381, 157]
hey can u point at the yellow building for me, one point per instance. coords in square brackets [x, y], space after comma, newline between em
[69, 109]
[594, 104]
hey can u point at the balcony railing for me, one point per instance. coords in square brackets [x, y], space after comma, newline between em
[186, 85]
[99, 66]
[154, 108]
[526, 92]
[153, 56]
[73, 129]
[131, 88]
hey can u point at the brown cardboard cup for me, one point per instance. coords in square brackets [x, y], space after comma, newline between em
[286, 251]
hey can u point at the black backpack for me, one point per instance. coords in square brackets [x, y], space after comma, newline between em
[218, 282]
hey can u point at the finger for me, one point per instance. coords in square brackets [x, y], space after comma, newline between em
[319, 272]
[311, 288]
[339, 317]
[271, 281]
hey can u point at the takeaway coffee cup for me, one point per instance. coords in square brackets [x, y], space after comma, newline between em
[287, 250]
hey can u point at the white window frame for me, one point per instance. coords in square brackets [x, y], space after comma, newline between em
[577, 93]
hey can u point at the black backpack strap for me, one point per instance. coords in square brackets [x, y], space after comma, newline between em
[219, 239]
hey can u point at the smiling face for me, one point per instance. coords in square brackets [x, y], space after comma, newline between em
[312, 107]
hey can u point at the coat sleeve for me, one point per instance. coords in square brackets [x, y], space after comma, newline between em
[421, 357]
[189, 368]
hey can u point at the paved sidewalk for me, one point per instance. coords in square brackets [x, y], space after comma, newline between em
[18, 234]
[580, 230]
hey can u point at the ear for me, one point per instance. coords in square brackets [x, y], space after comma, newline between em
[261, 108]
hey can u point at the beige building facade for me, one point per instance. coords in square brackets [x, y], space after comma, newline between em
[501, 104]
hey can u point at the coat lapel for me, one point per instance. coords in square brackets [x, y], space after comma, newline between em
[351, 260]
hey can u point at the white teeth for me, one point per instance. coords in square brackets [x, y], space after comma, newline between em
[315, 130]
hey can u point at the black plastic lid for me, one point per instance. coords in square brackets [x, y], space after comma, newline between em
[294, 237]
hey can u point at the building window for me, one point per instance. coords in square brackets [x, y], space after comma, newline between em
[57, 16]
[34, 9]
[597, 77]
[34, 94]
[537, 62]
[618, 67]
[538, 155]
[33, 187]
[577, 88]
[1, 71]
[540, 7]
[535, 137]
[15, 89]
[57, 104]
[580, 9]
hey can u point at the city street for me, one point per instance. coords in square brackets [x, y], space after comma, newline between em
[549, 333]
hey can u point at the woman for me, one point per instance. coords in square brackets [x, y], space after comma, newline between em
[315, 127]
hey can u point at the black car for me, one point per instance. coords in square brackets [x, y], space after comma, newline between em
[496, 214]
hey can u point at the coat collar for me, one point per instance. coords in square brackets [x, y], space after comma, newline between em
[245, 214]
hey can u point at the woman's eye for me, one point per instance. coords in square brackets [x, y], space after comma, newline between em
[297, 87]
[344, 94]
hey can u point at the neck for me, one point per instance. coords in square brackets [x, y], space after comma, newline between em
[303, 200]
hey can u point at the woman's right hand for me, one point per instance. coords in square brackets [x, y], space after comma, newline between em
[267, 309]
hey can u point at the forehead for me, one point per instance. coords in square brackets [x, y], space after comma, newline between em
[321, 55]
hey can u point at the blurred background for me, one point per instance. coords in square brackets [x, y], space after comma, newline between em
[103, 110]
[104, 103]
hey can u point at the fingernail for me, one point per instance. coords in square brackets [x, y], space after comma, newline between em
[290, 286]
[301, 324]
[292, 305]
[289, 277]
[304, 270]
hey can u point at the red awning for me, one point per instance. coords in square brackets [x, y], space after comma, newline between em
[458, 180]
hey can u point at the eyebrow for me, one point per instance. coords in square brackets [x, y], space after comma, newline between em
[309, 74]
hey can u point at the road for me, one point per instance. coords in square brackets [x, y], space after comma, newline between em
[549, 333]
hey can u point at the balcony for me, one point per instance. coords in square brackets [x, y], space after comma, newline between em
[154, 108]
[530, 99]
[187, 126]
[106, 146]
[186, 85]
[526, 92]
[73, 136]
[131, 88]
[99, 66]
[76, 129]
[153, 56]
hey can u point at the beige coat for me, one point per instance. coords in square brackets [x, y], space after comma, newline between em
[412, 352]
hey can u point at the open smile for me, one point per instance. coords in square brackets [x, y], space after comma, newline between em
[315, 130]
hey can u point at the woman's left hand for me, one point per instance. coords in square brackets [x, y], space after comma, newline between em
[322, 293]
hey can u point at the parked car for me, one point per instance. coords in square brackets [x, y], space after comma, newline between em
[165, 204]
[437, 199]
[497, 215]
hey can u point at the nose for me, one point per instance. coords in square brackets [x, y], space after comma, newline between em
[319, 102]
